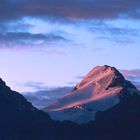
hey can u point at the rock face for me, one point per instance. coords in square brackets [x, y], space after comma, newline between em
[101, 89]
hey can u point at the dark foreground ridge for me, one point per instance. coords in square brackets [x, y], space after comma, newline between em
[19, 120]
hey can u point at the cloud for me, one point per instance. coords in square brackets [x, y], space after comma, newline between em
[18, 39]
[14, 30]
[34, 85]
[18, 34]
[73, 9]
[133, 76]
[44, 97]
[114, 32]
[11, 26]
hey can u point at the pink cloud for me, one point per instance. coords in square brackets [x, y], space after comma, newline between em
[133, 76]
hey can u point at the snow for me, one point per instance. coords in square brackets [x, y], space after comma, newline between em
[94, 93]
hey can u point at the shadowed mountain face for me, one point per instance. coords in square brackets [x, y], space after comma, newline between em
[120, 122]
[17, 116]
[19, 120]
[101, 89]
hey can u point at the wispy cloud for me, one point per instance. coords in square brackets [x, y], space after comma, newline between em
[19, 39]
[34, 85]
[111, 32]
[14, 25]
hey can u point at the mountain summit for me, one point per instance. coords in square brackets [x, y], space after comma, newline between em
[101, 89]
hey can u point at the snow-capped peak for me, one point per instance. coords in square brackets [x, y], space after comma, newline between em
[100, 89]
[99, 73]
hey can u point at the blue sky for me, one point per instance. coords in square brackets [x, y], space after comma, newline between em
[52, 43]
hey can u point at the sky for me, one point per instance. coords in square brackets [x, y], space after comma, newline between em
[54, 43]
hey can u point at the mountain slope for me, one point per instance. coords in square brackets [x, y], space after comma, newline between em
[122, 122]
[18, 118]
[101, 89]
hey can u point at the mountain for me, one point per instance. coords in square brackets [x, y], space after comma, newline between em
[101, 89]
[19, 120]
[17, 116]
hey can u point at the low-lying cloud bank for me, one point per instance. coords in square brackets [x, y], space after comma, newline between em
[43, 98]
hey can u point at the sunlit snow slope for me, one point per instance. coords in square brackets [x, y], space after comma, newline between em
[101, 89]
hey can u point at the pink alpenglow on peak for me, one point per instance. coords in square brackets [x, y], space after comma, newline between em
[102, 88]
